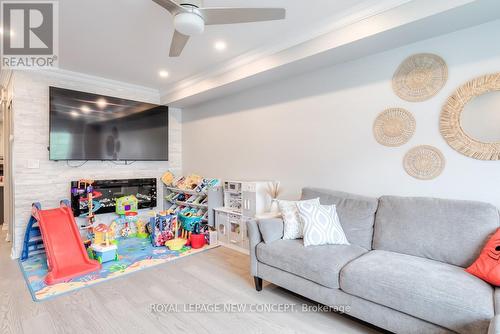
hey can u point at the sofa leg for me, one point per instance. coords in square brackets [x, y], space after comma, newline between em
[258, 283]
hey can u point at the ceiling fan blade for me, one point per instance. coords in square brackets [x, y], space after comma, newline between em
[241, 15]
[178, 43]
[170, 5]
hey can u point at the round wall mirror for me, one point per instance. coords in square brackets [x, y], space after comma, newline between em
[481, 117]
[470, 120]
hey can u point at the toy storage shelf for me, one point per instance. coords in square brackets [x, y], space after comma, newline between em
[214, 199]
[192, 205]
[188, 192]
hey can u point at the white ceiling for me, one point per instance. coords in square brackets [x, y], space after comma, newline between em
[129, 40]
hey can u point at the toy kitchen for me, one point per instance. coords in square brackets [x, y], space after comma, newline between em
[242, 201]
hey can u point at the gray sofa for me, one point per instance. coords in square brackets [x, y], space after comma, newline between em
[404, 270]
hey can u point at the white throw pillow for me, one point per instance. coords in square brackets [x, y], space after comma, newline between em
[321, 225]
[293, 226]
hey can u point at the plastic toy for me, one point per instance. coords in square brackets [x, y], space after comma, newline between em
[188, 219]
[103, 235]
[127, 209]
[66, 254]
[85, 187]
[113, 228]
[141, 229]
[176, 244]
[127, 206]
[197, 239]
[126, 231]
[104, 248]
[103, 253]
[33, 242]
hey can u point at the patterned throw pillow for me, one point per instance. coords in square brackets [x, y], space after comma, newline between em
[321, 225]
[293, 226]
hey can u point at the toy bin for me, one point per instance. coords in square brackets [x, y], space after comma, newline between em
[197, 241]
[105, 254]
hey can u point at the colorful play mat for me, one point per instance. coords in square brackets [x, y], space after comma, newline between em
[134, 255]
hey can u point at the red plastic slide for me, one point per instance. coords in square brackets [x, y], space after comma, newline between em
[66, 254]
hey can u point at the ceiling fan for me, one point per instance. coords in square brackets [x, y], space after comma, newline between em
[190, 19]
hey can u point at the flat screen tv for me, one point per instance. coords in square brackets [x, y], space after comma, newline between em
[86, 126]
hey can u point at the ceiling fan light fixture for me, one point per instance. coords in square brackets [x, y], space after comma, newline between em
[189, 24]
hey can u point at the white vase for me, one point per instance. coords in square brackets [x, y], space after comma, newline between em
[274, 206]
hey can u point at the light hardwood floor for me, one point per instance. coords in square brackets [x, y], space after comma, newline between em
[123, 305]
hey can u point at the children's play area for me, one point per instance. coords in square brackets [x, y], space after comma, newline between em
[73, 246]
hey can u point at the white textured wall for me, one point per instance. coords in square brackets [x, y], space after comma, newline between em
[51, 182]
[316, 129]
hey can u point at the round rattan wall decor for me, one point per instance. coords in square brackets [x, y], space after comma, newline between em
[420, 77]
[424, 162]
[450, 120]
[394, 127]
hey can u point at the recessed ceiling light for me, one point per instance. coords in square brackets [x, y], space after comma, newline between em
[102, 103]
[74, 113]
[85, 109]
[220, 46]
[163, 74]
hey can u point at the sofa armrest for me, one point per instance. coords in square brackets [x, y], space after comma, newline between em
[254, 238]
[494, 325]
[271, 229]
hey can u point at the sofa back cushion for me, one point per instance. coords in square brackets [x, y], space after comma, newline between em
[356, 213]
[449, 231]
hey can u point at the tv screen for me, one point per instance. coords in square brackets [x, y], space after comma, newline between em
[86, 126]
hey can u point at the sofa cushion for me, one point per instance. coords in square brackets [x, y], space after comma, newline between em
[450, 231]
[320, 264]
[321, 225]
[437, 292]
[293, 225]
[271, 229]
[356, 213]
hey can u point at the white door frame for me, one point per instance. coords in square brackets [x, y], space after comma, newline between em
[6, 106]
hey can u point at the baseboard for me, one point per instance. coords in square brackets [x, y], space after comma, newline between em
[236, 248]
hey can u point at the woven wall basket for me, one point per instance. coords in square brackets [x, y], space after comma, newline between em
[450, 125]
[394, 127]
[420, 77]
[424, 162]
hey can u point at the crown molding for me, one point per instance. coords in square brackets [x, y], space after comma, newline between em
[93, 80]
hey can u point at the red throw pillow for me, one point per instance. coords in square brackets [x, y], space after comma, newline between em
[487, 266]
